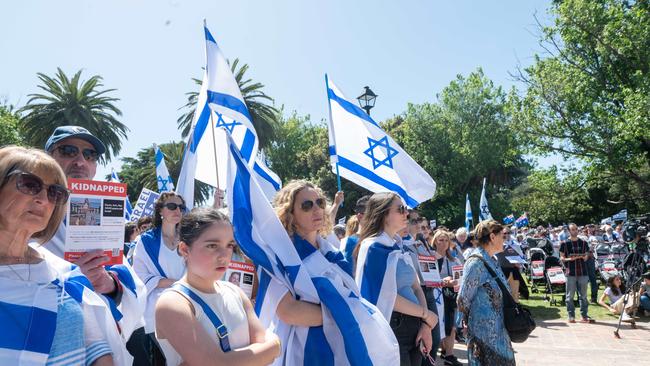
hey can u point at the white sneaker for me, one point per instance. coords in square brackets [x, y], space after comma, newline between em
[626, 318]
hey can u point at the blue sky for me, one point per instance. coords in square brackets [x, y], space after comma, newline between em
[406, 51]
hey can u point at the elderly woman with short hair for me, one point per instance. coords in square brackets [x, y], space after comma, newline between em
[481, 301]
[56, 317]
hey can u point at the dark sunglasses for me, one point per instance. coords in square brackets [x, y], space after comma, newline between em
[32, 185]
[71, 151]
[307, 205]
[401, 209]
[173, 206]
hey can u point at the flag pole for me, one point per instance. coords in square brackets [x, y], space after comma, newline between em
[217, 199]
[329, 104]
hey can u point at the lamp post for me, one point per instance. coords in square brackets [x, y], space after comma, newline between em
[367, 99]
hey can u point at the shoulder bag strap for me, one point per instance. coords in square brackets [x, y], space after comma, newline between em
[222, 331]
[504, 291]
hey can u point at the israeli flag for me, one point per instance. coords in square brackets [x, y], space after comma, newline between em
[220, 110]
[484, 213]
[353, 332]
[165, 182]
[128, 209]
[468, 214]
[364, 154]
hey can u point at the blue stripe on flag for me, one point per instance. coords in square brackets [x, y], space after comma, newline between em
[229, 102]
[267, 177]
[159, 156]
[19, 321]
[151, 241]
[247, 145]
[265, 281]
[242, 218]
[124, 275]
[358, 169]
[332, 150]
[355, 347]
[208, 35]
[317, 350]
[201, 125]
[350, 108]
[374, 270]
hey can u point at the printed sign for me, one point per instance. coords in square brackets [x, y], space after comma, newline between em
[241, 274]
[145, 205]
[429, 269]
[537, 269]
[556, 275]
[95, 219]
[457, 274]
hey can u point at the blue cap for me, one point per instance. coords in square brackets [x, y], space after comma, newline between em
[64, 132]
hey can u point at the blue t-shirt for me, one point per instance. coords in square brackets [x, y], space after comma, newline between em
[405, 276]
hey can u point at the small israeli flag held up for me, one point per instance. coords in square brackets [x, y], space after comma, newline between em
[484, 213]
[469, 219]
[363, 153]
[165, 182]
[353, 333]
[128, 209]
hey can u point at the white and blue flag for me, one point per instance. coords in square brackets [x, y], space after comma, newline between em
[165, 182]
[484, 213]
[469, 218]
[128, 209]
[220, 108]
[354, 332]
[367, 156]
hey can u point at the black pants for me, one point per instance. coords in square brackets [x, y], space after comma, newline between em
[406, 329]
[591, 272]
[155, 353]
[435, 332]
[138, 347]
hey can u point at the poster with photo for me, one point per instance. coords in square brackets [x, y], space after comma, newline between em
[95, 219]
[457, 274]
[242, 275]
[537, 269]
[556, 275]
[429, 268]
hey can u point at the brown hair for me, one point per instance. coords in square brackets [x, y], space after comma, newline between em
[352, 226]
[286, 198]
[484, 229]
[377, 209]
[31, 160]
[160, 202]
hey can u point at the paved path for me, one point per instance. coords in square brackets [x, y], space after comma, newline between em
[554, 342]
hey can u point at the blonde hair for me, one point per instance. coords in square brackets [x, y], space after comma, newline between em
[285, 200]
[437, 235]
[352, 226]
[33, 161]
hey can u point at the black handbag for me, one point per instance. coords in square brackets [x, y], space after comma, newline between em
[517, 319]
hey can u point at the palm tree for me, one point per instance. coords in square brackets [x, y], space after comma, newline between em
[73, 102]
[140, 172]
[264, 115]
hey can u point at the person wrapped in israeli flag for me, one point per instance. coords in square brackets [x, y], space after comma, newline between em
[165, 182]
[304, 296]
[363, 153]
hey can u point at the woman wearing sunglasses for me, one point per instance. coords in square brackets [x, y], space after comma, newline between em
[387, 278]
[157, 262]
[50, 312]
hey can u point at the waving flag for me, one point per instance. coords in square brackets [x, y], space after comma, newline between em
[220, 109]
[484, 213]
[165, 182]
[128, 210]
[468, 214]
[353, 333]
[367, 156]
[522, 221]
[509, 219]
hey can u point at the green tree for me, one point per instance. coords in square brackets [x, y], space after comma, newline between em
[589, 97]
[459, 139]
[9, 126]
[68, 101]
[140, 172]
[264, 115]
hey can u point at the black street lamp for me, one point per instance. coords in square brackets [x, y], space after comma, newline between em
[367, 99]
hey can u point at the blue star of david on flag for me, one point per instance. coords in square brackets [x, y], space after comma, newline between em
[163, 183]
[390, 152]
[228, 126]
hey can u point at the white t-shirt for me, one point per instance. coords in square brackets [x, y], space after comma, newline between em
[612, 298]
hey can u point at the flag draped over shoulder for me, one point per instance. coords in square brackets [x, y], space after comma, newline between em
[220, 110]
[353, 333]
[367, 156]
[165, 182]
[484, 213]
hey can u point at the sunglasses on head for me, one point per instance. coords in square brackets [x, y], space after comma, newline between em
[307, 205]
[71, 151]
[30, 184]
[173, 206]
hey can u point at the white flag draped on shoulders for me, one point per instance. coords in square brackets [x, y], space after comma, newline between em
[484, 213]
[165, 182]
[354, 332]
[367, 156]
[220, 108]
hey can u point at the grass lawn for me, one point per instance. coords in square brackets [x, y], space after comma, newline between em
[542, 309]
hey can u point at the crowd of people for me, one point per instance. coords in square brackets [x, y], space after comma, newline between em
[169, 302]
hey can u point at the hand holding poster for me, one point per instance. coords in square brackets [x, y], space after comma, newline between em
[457, 272]
[429, 269]
[95, 219]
